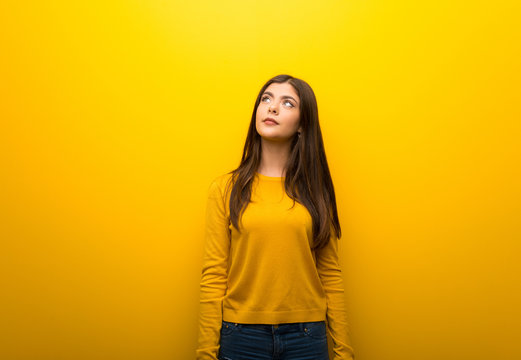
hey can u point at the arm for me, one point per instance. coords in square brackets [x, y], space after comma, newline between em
[331, 276]
[214, 275]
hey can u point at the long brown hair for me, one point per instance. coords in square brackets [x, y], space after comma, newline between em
[307, 177]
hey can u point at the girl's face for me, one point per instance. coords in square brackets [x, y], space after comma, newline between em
[281, 103]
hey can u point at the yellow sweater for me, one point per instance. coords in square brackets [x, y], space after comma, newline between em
[267, 274]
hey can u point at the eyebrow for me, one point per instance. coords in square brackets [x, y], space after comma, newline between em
[283, 96]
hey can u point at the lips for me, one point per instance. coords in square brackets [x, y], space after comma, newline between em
[270, 121]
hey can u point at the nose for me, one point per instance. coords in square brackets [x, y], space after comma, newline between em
[272, 109]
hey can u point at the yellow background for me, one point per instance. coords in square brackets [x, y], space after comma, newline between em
[116, 115]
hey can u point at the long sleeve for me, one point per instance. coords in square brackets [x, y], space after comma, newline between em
[214, 274]
[330, 274]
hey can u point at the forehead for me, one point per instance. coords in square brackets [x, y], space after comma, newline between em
[282, 89]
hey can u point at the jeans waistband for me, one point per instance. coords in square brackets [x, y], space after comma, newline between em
[271, 327]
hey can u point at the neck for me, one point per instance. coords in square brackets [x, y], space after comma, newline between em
[274, 157]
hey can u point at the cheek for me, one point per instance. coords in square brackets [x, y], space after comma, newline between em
[259, 112]
[295, 119]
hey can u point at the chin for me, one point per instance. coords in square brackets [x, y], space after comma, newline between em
[275, 138]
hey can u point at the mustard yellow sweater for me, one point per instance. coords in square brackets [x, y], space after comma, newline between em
[267, 274]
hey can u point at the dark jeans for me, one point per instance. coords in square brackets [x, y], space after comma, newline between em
[292, 341]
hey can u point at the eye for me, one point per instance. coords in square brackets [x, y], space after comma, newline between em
[285, 101]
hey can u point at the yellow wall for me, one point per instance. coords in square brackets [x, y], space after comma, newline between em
[116, 115]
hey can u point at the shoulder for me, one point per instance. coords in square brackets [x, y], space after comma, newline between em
[219, 185]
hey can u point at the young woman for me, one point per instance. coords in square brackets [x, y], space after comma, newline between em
[270, 276]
